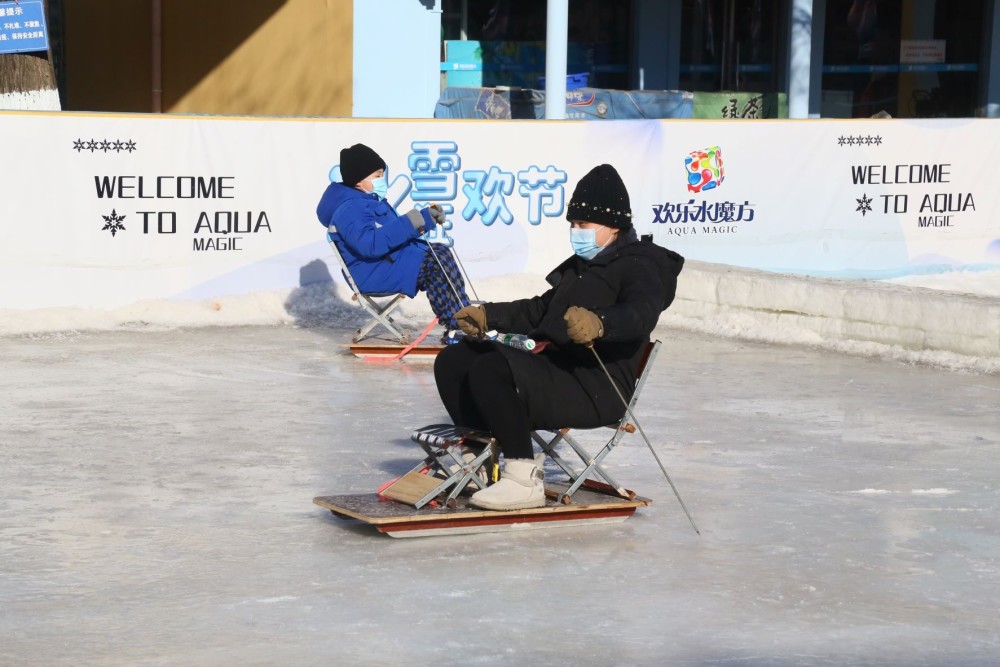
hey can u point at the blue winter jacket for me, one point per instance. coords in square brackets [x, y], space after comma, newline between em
[382, 249]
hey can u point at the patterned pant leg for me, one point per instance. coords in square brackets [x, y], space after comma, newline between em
[441, 285]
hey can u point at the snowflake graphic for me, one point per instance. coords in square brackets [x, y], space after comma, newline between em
[79, 145]
[113, 223]
[864, 204]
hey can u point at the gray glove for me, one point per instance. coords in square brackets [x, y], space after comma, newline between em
[437, 213]
[417, 220]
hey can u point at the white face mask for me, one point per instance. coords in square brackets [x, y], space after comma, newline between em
[380, 186]
[584, 242]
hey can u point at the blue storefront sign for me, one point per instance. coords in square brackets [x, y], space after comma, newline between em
[22, 27]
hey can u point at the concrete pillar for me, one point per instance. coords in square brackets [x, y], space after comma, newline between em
[990, 66]
[816, 64]
[800, 52]
[556, 46]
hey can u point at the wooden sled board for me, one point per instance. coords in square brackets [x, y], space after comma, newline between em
[392, 350]
[401, 520]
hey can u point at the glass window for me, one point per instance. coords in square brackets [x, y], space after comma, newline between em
[730, 45]
[508, 41]
[907, 58]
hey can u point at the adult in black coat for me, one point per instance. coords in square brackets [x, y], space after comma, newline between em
[609, 294]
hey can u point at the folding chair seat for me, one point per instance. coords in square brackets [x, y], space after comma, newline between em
[592, 470]
[377, 304]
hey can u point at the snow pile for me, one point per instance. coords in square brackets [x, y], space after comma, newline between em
[951, 329]
[954, 329]
[31, 100]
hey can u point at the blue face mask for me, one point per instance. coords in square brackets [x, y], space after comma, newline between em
[584, 242]
[380, 186]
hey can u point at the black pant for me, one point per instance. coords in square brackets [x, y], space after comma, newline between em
[478, 390]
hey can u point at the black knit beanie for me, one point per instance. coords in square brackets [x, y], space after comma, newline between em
[601, 197]
[357, 162]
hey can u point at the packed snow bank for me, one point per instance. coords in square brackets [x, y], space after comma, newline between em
[946, 328]
[952, 329]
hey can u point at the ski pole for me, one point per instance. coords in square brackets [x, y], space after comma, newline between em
[468, 281]
[465, 274]
[631, 415]
[454, 289]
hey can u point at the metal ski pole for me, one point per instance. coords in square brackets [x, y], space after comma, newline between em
[643, 433]
[465, 273]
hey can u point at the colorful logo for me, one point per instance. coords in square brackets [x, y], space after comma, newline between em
[704, 169]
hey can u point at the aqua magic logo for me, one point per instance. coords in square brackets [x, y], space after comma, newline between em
[705, 173]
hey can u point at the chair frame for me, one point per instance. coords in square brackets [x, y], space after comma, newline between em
[379, 310]
[441, 443]
[592, 464]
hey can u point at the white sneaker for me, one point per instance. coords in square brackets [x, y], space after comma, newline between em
[521, 486]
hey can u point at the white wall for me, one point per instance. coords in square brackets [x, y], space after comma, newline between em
[397, 59]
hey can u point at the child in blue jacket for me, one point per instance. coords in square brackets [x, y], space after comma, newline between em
[384, 251]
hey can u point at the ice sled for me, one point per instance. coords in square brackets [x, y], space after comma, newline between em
[591, 506]
[391, 352]
[433, 497]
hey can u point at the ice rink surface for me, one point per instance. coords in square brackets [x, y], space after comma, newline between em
[156, 509]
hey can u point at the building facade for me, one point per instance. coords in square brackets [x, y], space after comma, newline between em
[392, 58]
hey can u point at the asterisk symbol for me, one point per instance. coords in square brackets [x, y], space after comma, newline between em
[113, 223]
[78, 145]
[117, 146]
[841, 140]
[130, 146]
[864, 204]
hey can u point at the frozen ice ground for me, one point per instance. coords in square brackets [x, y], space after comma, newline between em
[155, 509]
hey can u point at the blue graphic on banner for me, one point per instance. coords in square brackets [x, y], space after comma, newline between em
[493, 184]
[435, 170]
[540, 187]
[22, 27]
[435, 173]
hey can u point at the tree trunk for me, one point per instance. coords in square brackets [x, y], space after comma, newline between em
[28, 80]
[26, 72]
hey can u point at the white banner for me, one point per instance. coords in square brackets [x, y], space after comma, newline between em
[102, 210]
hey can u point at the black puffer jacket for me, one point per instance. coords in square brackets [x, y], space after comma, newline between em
[628, 285]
